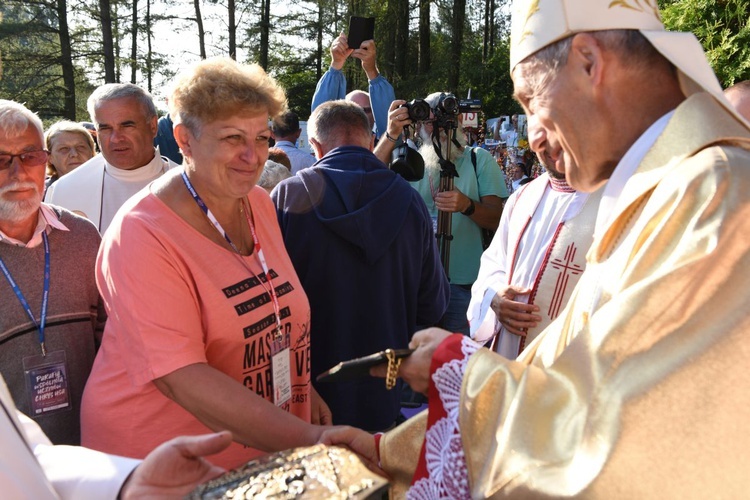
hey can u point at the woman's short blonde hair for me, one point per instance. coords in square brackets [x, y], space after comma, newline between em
[221, 87]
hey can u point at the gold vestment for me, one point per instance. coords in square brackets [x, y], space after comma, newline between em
[641, 388]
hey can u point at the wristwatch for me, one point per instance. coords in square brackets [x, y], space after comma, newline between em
[471, 208]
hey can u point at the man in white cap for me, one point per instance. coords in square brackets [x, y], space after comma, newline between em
[640, 389]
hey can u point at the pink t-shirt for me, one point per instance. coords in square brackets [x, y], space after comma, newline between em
[176, 298]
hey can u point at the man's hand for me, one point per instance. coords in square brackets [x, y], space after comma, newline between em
[452, 201]
[340, 51]
[366, 53]
[415, 369]
[321, 413]
[398, 118]
[360, 442]
[176, 467]
[516, 317]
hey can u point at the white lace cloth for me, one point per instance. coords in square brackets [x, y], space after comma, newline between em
[446, 464]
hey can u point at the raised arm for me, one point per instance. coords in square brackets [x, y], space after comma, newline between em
[332, 84]
[381, 91]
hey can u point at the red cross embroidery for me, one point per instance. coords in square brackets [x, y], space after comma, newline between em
[567, 268]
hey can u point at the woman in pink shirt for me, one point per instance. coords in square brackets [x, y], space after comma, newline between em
[208, 324]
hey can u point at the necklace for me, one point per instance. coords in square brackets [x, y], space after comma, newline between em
[243, 246]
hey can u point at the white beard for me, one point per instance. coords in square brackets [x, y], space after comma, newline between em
[427, 150]
[17, 211]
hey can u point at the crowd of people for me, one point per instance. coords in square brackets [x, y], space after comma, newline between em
[174, 286]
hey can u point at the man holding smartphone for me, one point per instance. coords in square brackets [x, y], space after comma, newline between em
[332, 85]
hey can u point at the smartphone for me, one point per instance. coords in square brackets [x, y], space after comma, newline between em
[360, 29]
[359, 367]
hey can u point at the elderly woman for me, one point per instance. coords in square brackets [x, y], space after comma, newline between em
[69, 145]
[273, 173]
[208, 324]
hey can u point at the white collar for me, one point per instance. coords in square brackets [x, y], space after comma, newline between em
[146, 172]
[624, 170]
[46, 222]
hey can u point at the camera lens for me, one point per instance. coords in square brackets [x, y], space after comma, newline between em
[449, 104]
[419, 110]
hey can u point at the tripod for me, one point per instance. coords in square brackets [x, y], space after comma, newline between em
[448, 172]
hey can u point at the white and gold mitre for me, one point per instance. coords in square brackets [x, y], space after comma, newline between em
[538, 23]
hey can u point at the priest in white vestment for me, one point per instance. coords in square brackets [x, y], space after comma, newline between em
[528, 273]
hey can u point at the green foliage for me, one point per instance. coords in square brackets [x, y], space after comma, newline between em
[297, 77]
[32, 60]
[723, 28]
[300, 37]
[24, 37]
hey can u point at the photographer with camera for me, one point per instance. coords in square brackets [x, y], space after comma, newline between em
[475, 202]
[332, 85]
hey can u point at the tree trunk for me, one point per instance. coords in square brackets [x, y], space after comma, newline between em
[116, 36]
[486, 32]
[265, 26]
[459, 18]
[201, 31]
[424, 37]
[149, 54]
[232, 31]
[66, 61]
[389, 42]
[134, 46]
[107, 41]
[319, 33]
[402, 37]
[493, 29]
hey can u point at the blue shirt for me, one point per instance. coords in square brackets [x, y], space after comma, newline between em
[298, 158]
[332, 86]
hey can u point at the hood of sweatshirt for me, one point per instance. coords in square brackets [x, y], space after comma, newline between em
[357, 197]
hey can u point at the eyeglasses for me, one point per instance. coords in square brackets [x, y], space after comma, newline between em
[27, 159]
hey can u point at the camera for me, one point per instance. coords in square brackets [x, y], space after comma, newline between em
[470, 105]
[446, 111]
[407, 163]
[447, 105]
[418, 109]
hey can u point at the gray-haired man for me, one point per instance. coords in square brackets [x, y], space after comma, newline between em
[125, 119]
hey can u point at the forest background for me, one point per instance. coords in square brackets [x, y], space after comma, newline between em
[53, 53]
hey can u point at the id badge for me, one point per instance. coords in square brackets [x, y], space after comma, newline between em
[281, 369]
[47, 383]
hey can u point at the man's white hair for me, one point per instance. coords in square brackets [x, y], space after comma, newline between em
[15, 118]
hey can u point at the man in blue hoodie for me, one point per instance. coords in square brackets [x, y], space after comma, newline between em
[361, 240]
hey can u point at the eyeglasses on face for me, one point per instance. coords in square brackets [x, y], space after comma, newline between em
[27, 159]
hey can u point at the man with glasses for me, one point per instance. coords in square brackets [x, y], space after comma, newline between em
[51, 316]
[126, 123]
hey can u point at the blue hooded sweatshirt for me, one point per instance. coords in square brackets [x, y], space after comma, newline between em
[361, 240]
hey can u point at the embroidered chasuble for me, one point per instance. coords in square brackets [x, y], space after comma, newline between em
[640, 388]
[541, 245]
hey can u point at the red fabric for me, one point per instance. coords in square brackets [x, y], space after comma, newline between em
[377, 444]
[447, 351]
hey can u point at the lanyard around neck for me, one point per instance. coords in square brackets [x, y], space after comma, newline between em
[256, 245]
[45, 293]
